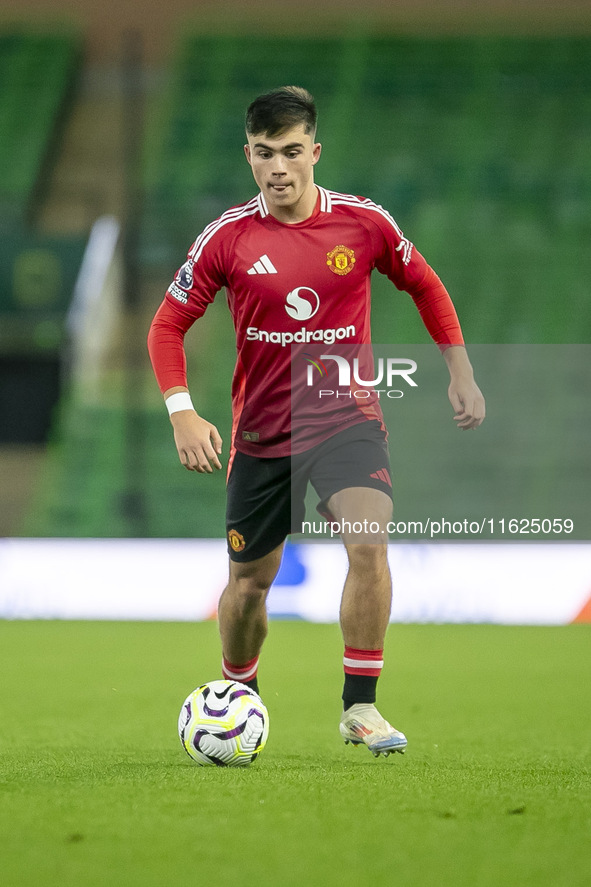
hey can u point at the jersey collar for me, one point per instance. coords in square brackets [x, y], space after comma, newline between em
[323, 205]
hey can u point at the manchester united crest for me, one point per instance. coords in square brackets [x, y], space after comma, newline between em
[236, 540]
[340, 260]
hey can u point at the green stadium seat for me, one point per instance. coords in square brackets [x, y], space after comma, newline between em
[36, 75]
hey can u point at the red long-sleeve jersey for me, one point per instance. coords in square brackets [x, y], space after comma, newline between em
[290, 287]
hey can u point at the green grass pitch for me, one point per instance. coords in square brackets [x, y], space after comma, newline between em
[493, 790]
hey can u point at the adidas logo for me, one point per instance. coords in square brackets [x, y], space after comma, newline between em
[382, 475]
[263, 266]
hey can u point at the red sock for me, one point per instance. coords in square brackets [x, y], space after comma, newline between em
[362, 670]
[363, 662]
[243, 673]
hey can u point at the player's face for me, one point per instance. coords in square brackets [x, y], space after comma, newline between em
[283, 168]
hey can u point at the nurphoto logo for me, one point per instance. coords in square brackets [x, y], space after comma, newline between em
[390, 371]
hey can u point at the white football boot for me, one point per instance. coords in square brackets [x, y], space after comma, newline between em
[363, 724]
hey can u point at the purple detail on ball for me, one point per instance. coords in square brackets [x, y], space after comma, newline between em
[213, 712]
[199, 734]
[197, 741]
[187, 709]
[257, 713]
[232, 734]
[222, 712]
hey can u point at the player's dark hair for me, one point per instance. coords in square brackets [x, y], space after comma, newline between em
[279, 110]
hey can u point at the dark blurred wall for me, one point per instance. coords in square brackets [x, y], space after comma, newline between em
[161, 23]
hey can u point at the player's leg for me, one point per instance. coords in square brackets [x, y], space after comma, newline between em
[363, 515]
[353, 481]
[258, 517]
[352, 478]
[242, 615]
[365, 614]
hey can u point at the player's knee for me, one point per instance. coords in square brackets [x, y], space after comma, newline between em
[251, 584]
[247, 597]
[367, 559]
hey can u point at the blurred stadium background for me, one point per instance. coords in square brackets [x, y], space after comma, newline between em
[120, 137]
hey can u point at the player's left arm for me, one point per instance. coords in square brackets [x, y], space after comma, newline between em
[408, 270]
[441, 320]
[464, 394]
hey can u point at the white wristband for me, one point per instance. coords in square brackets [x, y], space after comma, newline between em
[179, 401]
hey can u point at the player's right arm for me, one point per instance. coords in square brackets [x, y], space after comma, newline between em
[198, 441]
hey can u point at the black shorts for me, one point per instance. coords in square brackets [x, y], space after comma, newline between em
[265, 496]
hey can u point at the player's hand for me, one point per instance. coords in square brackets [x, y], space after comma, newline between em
[468, 402]
[198, 442]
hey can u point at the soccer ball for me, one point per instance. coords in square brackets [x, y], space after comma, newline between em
[223, 724]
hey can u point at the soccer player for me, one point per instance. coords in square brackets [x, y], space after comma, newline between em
[295, 262]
